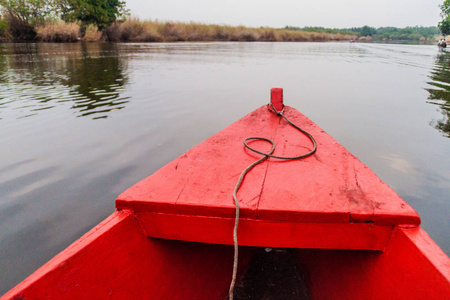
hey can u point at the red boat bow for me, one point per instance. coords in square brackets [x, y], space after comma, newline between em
[328, 200]
[321, 207]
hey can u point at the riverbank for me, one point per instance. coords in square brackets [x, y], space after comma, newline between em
[135, 30]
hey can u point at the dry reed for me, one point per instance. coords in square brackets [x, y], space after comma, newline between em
[92, 34]
[135, 30]
[58, 32]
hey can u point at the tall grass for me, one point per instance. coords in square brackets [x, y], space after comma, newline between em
[135, 30]
[59, 31]
[92, 34]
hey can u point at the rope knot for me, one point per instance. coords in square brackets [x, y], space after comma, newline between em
[274, 110]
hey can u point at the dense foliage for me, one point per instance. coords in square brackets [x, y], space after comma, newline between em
[416, 33]
[444, 25]
[99, 12]
[29, 11]
[24, 15]
[20, 16]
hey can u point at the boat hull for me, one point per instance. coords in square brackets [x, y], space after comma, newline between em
[117, 260]
[411, 267]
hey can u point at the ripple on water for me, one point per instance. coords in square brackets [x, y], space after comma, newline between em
[51, 79]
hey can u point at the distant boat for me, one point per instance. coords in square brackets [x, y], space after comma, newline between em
[351, 236]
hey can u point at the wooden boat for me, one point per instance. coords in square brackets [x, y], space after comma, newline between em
[170, 237]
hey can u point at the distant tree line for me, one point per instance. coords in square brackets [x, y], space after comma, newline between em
[321, 29]
[416, 33]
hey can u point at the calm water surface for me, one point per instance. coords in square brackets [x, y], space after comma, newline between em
[80, 123]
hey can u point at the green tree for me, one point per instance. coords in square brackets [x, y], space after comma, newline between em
[444, 25]
[369, 31]
[22, 15]
[99, 12]
[28, 11]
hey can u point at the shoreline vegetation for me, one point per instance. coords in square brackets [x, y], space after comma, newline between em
[136, 30]
[109, 21]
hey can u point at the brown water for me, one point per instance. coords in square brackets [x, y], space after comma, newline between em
[80, 123]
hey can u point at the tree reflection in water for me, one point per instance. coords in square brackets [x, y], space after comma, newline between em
[36, 77]
[440, 95]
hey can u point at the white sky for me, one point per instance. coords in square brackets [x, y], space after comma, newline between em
[279, 13]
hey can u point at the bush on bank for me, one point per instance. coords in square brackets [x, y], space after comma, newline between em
[92, 34]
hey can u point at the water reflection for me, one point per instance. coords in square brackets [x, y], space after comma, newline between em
[440, 94]
[35, 77]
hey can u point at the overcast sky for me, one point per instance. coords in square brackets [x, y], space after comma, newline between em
[279, 13]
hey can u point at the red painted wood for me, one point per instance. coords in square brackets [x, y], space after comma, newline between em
[115, 260]
[276, 98]
[332, 186]
[264, 233]
[412, 267]
[201, 181]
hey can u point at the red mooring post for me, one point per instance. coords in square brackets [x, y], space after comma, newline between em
[276, 98]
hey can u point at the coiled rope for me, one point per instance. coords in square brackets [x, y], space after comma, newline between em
[241, 178]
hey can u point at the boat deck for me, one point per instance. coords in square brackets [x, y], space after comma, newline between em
[327, 200]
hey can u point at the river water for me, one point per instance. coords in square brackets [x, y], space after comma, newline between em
[80, 123]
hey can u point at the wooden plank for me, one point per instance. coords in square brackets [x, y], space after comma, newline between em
[263, 233]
